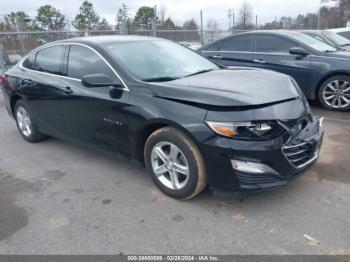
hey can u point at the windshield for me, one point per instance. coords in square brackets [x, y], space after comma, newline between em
[336, 39]
[313, 43]
[158, 59]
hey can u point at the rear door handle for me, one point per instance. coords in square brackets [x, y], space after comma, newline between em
[67, 90]
[27, 82]
[259, 61]
[218, 57]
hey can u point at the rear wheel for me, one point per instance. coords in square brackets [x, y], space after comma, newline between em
[175, 163]
[26, 124]
[334, 93]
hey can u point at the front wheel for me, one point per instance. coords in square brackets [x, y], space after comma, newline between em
[334, 93]
[175, 163]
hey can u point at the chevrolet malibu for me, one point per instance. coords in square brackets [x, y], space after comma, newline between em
[190, 121]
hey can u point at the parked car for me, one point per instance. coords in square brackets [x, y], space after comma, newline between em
[13, 59]
[321, 71]
[331, 38]
[191, 45]
[344, 32]
[191, 122]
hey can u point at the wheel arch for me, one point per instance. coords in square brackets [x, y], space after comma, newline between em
[13, 101]
[327, 76]
[143, 134]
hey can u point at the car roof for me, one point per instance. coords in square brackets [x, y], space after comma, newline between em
[312, 31]
[286, 33]
[339, 30]
[273, 32]
[105, 39]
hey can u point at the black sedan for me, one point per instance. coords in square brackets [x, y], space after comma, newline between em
[191, 122]
[322, 72]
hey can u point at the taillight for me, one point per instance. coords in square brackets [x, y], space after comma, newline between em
[3, 79]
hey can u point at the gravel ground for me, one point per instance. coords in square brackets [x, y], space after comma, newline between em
[57, 198]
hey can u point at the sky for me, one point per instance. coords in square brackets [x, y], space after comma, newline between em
[178, 10]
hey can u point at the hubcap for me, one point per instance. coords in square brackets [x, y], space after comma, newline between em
[23, 121]
[170, 165]
[337, 94]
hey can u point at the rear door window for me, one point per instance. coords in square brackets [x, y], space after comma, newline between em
[50, 60]
[29, 62]
[242, 43]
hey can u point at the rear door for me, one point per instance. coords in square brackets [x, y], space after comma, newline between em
[272, 52]
[232, 51]
[45, 89]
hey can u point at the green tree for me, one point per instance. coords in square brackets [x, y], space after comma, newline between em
[119, 18]
[50, 18]
[103, 25]
[17, 21]
[144, 16]
[2, 26]
[87, 18]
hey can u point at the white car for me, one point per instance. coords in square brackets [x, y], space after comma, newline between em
[345, 31]
[191, 45]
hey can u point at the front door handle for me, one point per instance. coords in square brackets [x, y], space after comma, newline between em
[218, 57]
[67, 90]
[259, 61]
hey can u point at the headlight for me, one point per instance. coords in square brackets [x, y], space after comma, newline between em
[258, 130]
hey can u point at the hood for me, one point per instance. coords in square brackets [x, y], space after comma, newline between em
[229, 88]
[339, 54]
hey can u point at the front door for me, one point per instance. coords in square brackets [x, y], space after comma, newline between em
[272, 52]
[98, 115]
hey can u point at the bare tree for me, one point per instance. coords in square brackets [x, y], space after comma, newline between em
[213, 27]
[245, 16]
[212, 24]
[162, 12]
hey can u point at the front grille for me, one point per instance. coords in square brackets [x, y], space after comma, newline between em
[300, 153]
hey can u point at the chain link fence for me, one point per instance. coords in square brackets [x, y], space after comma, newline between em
[14, 45]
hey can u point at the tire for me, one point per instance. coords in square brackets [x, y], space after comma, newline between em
[28, 130]
[173, 143]
[337, 90]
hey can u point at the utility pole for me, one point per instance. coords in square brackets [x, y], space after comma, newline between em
[233, 22]
[256, 22]
[229, 15]
[19, 35]
[124, 19]
[154, 22]
[319, 18]
[202, 35]
[275, 22]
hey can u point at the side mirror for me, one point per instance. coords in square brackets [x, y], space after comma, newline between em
[298, 51]
[100, 80]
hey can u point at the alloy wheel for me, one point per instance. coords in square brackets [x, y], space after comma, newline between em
[170, 165]
[336, 94]
[24, 122]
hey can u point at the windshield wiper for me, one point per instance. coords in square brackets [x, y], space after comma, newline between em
[200, 72]
[160, 79]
